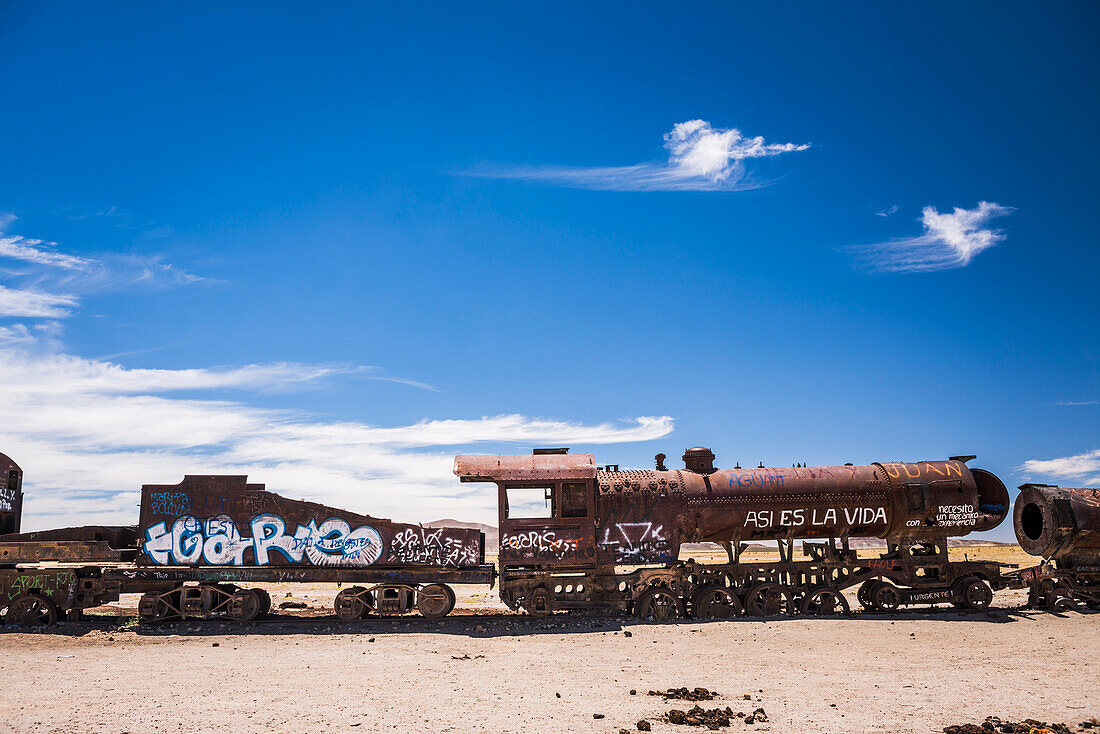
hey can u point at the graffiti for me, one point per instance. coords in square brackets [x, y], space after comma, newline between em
[430, 546]
[956, 515]
[169, 503]
[541, 543]
[815, 517]
[754, 479]
[931, 595]
[217, 541]
[915, 471]
[51, 584]
[641, 542]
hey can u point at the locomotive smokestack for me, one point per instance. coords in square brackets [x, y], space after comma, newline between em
[660, 459]
[699, 460]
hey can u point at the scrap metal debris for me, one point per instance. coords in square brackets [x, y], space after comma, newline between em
[686, 694]
[992, 724]
[714, 718]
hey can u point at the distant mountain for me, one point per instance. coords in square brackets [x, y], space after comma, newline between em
[492, 535]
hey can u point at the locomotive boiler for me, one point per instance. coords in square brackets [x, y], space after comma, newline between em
[1062, 525]
[593, 519]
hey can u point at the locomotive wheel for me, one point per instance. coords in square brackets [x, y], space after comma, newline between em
[867, 593]
[265, 601]
[766, 600]
[976, 594]
[539, 603]
[1058, 602]
[244, 605]
[658, 605]
[350, 604]
[715, 602]
[887, 598]
[32, 610]
[156, 607]
[825, 602]
[435, 600]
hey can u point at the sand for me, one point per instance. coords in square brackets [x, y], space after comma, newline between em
[915, 671]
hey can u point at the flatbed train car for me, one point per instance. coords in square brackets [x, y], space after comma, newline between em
[201, 546]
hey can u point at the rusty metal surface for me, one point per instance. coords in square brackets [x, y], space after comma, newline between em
[1057, 522]
[525, 467]
[642, 516]
[63, 551]
[68, 588]
[225, 521]
[138, 579]
[119, 537]
[11, 495]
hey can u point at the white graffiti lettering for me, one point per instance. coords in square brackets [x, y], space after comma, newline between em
[815, 517]
[217, 541]
[432, 547]
[641, 542]
[956, 515]
[541, 543]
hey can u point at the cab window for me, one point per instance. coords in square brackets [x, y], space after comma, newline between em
[574, 499]
[529, 501]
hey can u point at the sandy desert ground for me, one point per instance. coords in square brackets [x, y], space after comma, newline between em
[484, 671]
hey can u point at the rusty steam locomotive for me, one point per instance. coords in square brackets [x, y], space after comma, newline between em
[573, 535]
[613, 537]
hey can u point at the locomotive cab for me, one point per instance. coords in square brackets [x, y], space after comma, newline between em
[545, 504]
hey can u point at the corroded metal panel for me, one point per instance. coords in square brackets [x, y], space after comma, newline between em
[1055, 522]
[225, 521]
[525, 467]
[643, 515]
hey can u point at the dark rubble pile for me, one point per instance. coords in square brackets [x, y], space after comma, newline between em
[713, 718]
[993, 725]
[686, 694]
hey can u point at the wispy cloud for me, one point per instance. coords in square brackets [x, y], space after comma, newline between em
[35, 251]
[89, 433]
[949, 241]
[700, 158]
[1070, 403]
[888, 211]
[35, 304]
[47, 283]
[1082, 469]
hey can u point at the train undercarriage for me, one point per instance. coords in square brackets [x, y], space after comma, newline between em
[907, 574]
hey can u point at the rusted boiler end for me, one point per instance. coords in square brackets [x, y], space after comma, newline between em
[1056, 522]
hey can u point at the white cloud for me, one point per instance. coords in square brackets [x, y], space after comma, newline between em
[35, 251]
[1074, 403]
[949, 241]
[1082, 469]
[701, 158]
[89, 433]
[51, 282]
[893, 209]
[35, 304]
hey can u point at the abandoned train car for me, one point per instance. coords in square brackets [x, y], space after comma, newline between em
[202, 544]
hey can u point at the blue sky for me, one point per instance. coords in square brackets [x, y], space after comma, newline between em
[334, 248]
